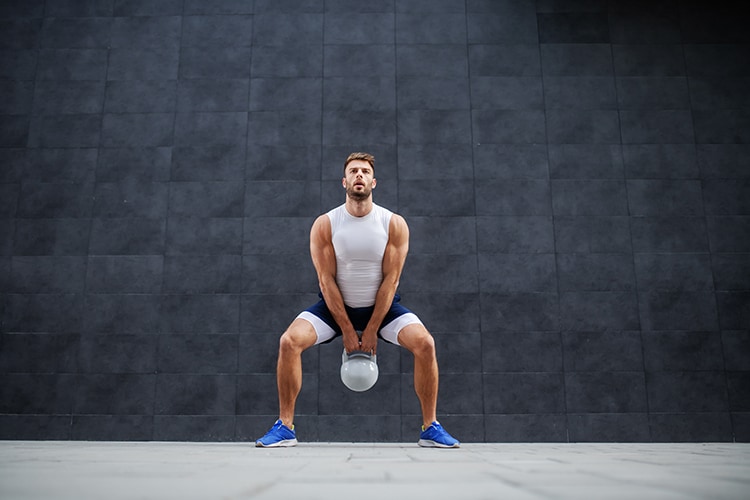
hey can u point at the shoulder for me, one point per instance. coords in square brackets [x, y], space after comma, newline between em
[322, 221]
[397, 228]
[321, 228]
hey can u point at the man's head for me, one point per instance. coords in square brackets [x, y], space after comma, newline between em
[359, 176]
[360, 156]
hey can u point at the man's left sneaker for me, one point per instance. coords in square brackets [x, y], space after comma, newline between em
[436, 437]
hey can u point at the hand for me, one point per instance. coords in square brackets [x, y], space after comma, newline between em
[351, 341]
[369, 342]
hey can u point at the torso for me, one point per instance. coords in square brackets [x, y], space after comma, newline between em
[359, 244]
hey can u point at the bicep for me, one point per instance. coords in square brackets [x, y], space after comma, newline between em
[397, 247]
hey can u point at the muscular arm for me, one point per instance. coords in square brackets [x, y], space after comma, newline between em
[324, 260]
[393, 263]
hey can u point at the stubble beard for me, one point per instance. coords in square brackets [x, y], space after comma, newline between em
[358, 195]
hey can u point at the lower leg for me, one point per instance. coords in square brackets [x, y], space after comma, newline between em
[418, 340]
[426, 387]
[299, 336]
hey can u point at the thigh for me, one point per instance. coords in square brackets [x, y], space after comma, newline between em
[321, 331]
[396, 319]
[391, 331]
[414, 337]
[301, 333]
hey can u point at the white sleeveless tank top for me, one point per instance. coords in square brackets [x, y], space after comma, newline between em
[359, 244]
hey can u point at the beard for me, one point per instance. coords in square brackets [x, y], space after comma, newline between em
[358, 195]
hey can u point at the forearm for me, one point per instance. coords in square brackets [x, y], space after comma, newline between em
[383, 301]
[335, 303]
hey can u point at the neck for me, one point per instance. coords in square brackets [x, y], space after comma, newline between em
[359, 208]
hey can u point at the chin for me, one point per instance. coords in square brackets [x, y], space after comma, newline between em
[358, 195]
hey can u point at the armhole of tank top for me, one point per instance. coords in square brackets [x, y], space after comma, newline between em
[334, 218]
[388, 215]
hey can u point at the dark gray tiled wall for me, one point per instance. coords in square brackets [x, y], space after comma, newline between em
[575, 175]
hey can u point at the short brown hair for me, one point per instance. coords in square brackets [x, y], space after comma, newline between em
[360, 156]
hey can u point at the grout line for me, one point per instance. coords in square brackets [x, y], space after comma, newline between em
[397, 208]
[555, 253]
[476, 221]
[632, 250]
[159, 333]
[238, 369]
[711, 255]
[321, 208]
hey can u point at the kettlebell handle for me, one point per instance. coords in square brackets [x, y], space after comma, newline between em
[359, 354]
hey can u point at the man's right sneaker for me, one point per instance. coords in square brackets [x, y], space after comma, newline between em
[279, 435]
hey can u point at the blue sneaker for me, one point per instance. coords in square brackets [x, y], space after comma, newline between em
[436, 437]
[279, 435]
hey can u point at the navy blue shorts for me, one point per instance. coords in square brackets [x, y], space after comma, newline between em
[360, 316]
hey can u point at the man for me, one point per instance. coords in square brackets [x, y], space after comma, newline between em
[358, 250]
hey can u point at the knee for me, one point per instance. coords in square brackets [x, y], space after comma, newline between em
[299, 336]
[291, 343]
[423, 345]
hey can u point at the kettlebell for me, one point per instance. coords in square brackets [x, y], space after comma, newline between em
[359, 370]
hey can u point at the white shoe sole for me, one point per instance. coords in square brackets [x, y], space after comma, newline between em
[427, 443]
[285, 443]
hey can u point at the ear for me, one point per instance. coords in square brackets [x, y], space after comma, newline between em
[343, 182]
[374, 182]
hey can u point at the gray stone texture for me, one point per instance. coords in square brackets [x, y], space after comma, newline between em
[576, 177]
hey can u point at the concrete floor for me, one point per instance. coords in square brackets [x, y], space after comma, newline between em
[113, 471]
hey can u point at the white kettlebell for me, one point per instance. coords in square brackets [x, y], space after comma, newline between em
[359, 370]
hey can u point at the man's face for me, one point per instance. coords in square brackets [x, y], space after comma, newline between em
[359, 180]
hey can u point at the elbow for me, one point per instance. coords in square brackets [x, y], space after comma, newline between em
[324, 283]
[391, 282]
